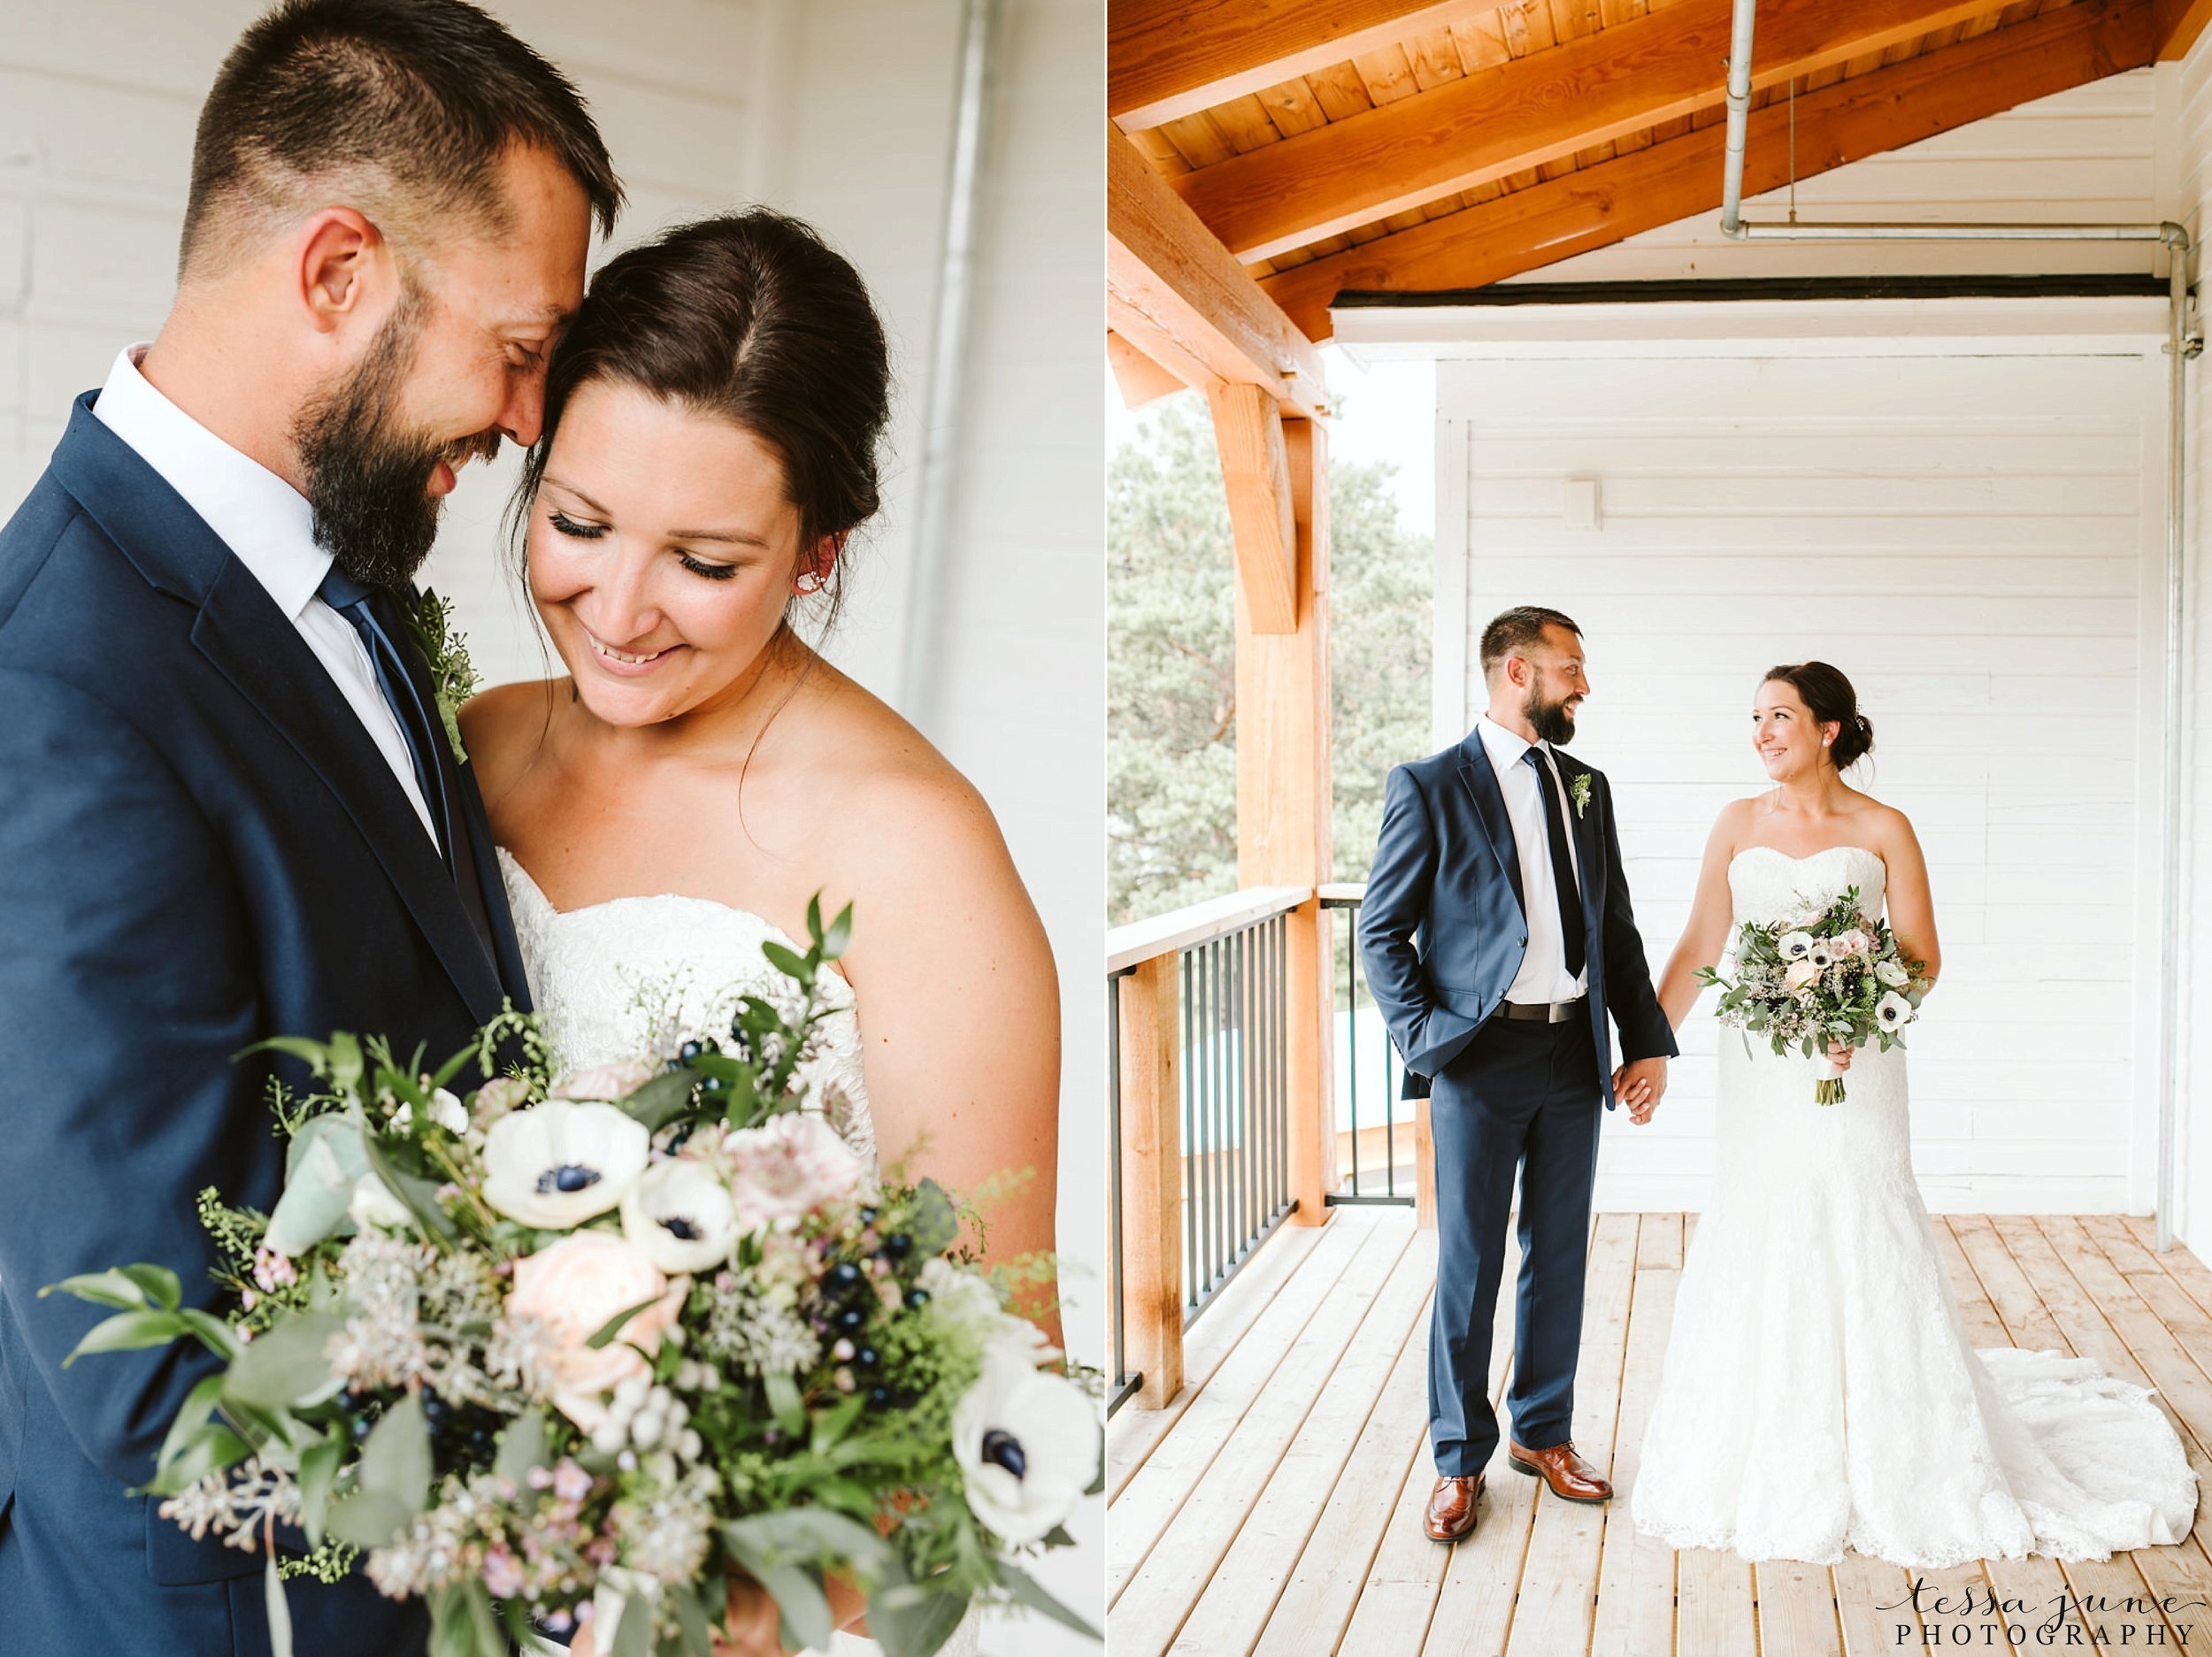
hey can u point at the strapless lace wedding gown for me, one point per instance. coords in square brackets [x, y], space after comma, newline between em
[643, 975]
[1818, 1391]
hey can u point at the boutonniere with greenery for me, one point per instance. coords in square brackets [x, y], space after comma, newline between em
[1579, 791]
[452, 676]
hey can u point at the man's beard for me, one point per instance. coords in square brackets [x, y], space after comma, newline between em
[367, 477]
[1553, 721]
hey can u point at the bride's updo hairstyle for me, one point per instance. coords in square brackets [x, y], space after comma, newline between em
[1827, 694]
[748, 318]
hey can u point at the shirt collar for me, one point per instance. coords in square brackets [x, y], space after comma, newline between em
[264, 520]
[1505, 746]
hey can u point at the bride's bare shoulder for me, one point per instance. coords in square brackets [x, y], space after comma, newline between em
[502, 727]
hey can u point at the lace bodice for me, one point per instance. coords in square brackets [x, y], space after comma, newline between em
[1769, 886]
[642, 974]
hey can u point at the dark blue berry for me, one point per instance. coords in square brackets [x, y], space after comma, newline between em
[878, 1396]
[1005, 1450]
[867, 1358]
[868, 1217]
[916, 1299]
[852, 1319]
[689, 1051]
[898, 1245]
[843, 1278]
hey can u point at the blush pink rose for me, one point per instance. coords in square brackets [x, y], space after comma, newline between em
[606, 1083]
[572, 1288]
[1855, 942]
[1801, 976]
[786, 1168]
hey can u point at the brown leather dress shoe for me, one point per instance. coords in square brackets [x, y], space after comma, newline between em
[1568, 1474]
[1451, 1514]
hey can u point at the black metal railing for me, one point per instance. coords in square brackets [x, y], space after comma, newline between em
[1365, 1175]
[1236, 1129]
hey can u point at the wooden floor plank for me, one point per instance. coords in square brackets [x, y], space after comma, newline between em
[1797, 1610]
[1150, 1500]
[1285, 1509]
[1271, 1531]
[1167, 1585]
[1635, 1609]
[1713, 1609]
[1317, 1602]
[1874, 1606]
[1559, 1580]
[1134, 1434]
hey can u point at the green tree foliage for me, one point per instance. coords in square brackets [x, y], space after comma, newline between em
[1172, 668]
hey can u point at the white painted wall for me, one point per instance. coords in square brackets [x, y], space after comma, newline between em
[839, 111]
[1970, 538]
[1976, 538]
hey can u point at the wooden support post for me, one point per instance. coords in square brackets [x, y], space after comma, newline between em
[1255, 474]
[1152, 1179]
[1283, 815]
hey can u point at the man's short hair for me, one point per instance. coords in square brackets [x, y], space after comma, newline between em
[1514, 631]
[401, 108]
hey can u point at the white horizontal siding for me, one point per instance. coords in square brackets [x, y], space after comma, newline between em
[1966, 537]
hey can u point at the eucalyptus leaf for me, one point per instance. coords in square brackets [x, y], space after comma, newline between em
[813, 1533]
[213, 1448]
[691, 1614]
[286, 1365]
[217, 1336]
[193, 1419]
[784, 1401]
[101, 1288]
[521, 1448]
[318, 1472]
[128, 1331]
[345, 1062]
[421, 1195]
[612, 1327]
[369, 1519]
[914, 1620]
[932, 1222]
[805, 1608]
[325, 1158]
[159, 1283]
[633, 1633]
[396, 1461]
[840, 936]
[280, 1613]
[661, 1100]
[1032, 1593]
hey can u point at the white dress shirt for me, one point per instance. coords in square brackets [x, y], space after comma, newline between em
[269, 527]
[1543, 976]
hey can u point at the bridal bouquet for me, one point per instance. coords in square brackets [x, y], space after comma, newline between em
[1835, 976]
[567, 1350]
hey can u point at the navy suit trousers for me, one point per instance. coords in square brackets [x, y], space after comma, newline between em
[1522, 1096]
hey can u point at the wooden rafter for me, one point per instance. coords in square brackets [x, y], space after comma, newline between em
[1169, 59]
[1610, 85]
[1681, 177]
[1141, 381]
[1176, 295]
[2179, 24]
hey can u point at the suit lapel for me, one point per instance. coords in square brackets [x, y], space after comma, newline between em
[251, 644]
[1481, 779]
[243, 635]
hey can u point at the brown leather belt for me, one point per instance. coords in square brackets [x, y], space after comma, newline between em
[1544, 1012]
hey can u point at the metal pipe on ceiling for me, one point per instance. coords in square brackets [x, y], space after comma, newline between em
[2180, 346]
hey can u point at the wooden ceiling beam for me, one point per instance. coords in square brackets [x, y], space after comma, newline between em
[1168, 58]
[2179, 24]
[1680, 178]
[1174, 293]
[1141, 381]
[1551, 104]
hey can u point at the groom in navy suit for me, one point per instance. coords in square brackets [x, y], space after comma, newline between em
[1497, 937]
[230, 807]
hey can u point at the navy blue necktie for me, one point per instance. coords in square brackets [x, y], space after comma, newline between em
[357, 605]
[1562, 869]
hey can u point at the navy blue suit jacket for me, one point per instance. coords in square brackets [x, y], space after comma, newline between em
[1442, 929]
[200, 847]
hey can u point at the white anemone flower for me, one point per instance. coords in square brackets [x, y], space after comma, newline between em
[1794, 946]
[1822, 954]
[1892, 974]
[679, 1215]
[1892, 1011]
[445, 1111]
[1028, 1448]
[557, 1164]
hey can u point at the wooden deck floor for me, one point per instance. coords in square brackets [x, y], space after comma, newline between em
[1275, 1506]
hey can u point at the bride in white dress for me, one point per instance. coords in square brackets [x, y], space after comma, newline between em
[710, 433]
[1819, 1391]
